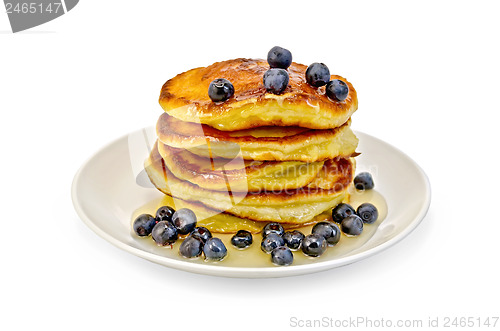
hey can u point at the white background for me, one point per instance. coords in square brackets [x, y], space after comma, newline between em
[427, 77]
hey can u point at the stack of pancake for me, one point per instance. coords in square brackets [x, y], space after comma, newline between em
[256, 157]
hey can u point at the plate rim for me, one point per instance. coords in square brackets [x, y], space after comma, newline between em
[250, 272]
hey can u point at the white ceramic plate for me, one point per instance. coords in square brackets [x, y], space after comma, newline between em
[111, 185]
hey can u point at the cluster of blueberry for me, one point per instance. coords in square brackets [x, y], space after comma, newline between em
[317, 74]
[280, 244]
[168, 224]
[351, 221]
[276, 78]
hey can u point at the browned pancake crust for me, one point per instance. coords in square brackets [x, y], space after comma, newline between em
[240, 175]
[190, 90]
[180, 134]
[341, 169]
[170, 126]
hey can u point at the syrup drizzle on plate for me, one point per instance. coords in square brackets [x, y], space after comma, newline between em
[253, 256]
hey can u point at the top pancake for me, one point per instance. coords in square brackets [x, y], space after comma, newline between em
[186, 97]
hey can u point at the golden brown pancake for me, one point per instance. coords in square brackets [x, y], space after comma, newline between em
[186, 97]
[290, 206]
[259, 144]
[238, 175]
[220, 222]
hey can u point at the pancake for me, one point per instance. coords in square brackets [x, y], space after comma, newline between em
[186, 97]
[259, 144]
[289, 206]
[214, 220]
[238, 175]
[221, 222]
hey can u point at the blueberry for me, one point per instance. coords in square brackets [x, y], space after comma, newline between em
[201, 233]
[337, 90]
[293, 239]
[242, 239]
[314, 245]
[220, 89]
[282, 256]
[214, 249]
[191, 247]
[279, 57]
[342, 211]
[317, 74]
[165, 213]
[271, 242]
[164, 233]
[367, 212]
[352, 225]
[272, 228]
[144, 224]
[330, 231]
[364, 181]
[275, 80]
[184, 220]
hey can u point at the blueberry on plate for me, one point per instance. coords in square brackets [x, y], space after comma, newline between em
[271, 242]
[337, 90]
[314, 245]
[273, 227]
[214, 249]
[317, 74]
[144, 224]
[184, 220]
[282, 256]
[330, 231]
[342, 211]
[165, 213]
[191, 247]
[293, 239]
[367, 212]
[275, 80]
[279, 57]
[220, 89]
[242, 239]
[201, 233]
[164, 233]
[364, 181]
[352, 225]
